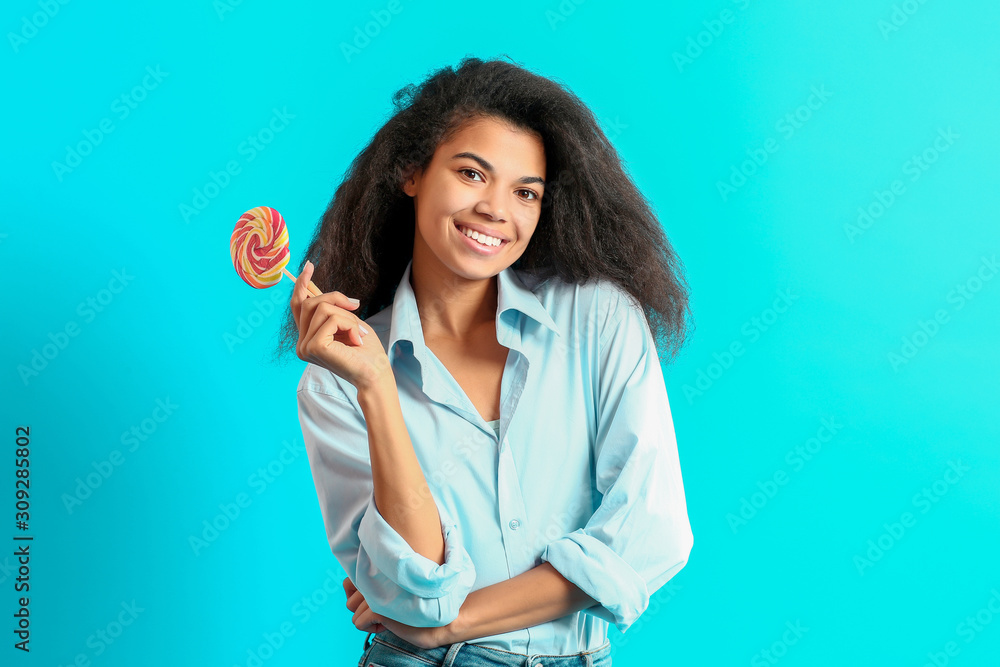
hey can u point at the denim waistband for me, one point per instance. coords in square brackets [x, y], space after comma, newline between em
[446, 655]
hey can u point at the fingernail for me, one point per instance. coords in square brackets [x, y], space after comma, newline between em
[364, 328]
[353, 300]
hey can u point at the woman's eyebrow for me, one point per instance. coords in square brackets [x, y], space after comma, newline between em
[489, 167]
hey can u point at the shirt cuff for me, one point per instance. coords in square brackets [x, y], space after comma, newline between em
[597, 570]
[411, 571]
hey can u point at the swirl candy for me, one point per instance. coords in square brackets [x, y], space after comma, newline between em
[259, 246]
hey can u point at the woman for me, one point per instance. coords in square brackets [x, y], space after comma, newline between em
[487, 425]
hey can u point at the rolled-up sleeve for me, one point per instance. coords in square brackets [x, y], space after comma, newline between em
[640, 536]
[395, 580]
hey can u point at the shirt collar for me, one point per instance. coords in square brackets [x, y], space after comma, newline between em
[512, 294]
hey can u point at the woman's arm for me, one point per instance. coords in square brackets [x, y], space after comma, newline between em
[534, 597]
[402, 496]
[395, 581]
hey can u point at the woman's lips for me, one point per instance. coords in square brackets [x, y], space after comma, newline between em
[479, 247]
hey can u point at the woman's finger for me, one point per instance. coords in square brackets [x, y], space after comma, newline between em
[325, 316]
[308, 306]
[305, 288]
[340, 299]
[354, 600]
[307, 311]
[315, 312]
[366, 620]
[359, 614]
[321, 328]
[349, 587]
[328, 335]
[301, 292]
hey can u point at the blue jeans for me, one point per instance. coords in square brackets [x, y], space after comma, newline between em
[388, 650]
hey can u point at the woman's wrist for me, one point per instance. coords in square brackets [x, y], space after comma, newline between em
[377, 390]
[460, 629]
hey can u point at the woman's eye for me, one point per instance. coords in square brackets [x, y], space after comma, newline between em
[532, 193]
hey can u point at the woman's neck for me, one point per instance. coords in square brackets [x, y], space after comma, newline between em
[453, 307]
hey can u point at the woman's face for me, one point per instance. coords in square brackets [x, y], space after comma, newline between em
[487, 177]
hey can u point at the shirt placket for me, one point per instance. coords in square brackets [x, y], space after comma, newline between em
[439, 386]
[511, 501]
[512, 506]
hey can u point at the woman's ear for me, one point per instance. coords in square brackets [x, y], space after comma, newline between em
[410, 177]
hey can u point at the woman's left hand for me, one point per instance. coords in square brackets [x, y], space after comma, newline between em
[367, 621]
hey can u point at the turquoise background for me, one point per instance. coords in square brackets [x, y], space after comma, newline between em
[855, 297]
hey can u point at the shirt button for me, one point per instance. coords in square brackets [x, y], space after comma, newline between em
[514, 523]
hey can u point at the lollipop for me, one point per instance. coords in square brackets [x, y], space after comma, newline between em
[259, 248]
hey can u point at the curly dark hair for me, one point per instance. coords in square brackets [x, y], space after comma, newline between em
[594, 222]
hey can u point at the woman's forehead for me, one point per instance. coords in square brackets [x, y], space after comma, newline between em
[498, 145]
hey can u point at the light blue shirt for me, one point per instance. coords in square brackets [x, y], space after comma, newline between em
[583, 471]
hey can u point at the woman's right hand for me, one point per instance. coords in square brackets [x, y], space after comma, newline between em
[330, 336]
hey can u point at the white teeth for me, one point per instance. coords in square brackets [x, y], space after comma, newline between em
[481, 238]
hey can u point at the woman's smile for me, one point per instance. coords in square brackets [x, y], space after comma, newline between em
[484, 245]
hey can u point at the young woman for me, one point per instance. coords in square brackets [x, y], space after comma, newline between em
[487, 424]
